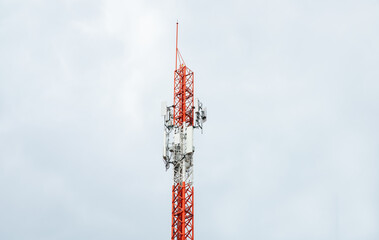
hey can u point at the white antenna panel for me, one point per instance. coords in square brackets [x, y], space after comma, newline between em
[196, 105]
[176, 138]
[164, 145]
[189, 140]
[163, 109]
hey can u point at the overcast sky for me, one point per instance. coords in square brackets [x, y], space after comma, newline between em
[290, 150]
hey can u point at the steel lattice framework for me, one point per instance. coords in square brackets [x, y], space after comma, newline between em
[183, 96]
[182, 211]
[179, 120]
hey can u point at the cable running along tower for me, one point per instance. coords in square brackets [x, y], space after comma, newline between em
[180, 119]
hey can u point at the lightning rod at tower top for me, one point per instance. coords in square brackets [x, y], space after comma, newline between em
[180, 119]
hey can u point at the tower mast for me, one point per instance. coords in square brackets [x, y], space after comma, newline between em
[180, 119]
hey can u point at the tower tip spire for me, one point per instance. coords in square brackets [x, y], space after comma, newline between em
[176, 49]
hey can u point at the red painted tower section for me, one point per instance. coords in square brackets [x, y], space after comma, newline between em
[182, 212]
[183, 90]
[182, 227]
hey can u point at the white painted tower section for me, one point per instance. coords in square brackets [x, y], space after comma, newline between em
[178, 147]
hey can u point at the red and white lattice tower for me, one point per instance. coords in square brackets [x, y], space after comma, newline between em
[180, 119]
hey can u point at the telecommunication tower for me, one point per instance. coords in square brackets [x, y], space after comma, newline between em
[180, 119]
